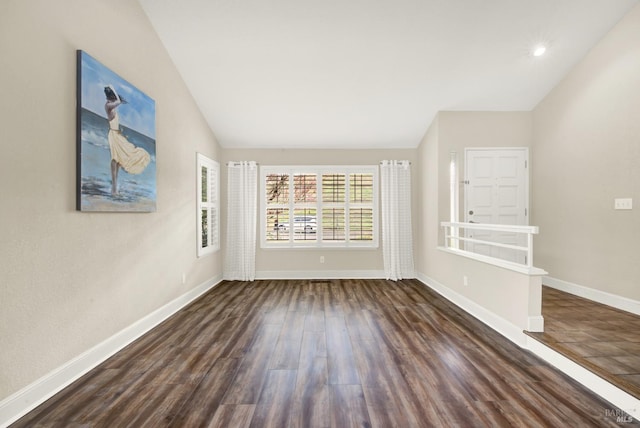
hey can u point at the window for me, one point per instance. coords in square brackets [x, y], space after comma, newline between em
[319, 206]
[453, 198]
[208, 205]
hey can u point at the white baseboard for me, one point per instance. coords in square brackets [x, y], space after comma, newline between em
[499, 324]
[19, 404]
[595, 383]
[618, 302]
[321, 274]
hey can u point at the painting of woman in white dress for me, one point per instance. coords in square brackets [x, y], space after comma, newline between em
[116, 142]
[123, 154]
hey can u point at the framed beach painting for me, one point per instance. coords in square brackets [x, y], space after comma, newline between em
[116, 142]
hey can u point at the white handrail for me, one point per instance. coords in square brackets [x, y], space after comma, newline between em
[494, 244]
[453, 238]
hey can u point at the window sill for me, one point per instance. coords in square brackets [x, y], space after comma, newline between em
[319, 247]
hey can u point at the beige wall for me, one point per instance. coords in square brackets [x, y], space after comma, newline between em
[428, 211]
[460, 130]
[69, 280]
[586, 153]
[303, 262]
[504, 293]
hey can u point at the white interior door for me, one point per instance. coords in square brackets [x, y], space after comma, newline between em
[497, 192]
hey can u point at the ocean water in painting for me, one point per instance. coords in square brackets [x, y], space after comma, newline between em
[136, 192]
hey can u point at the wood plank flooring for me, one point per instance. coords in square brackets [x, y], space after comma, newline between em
[337, 353]
[600, 338]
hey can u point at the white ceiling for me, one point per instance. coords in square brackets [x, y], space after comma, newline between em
[368, 73]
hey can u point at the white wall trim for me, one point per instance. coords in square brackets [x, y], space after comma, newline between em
[590, 380]
[499, 324]
[321, 274]
[19, 404]
[535, 323]
[618, 302]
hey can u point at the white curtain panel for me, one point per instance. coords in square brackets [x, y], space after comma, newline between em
[242, 200]
[397, 237]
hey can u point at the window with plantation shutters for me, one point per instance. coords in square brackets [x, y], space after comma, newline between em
[319, 206]
[208, 206]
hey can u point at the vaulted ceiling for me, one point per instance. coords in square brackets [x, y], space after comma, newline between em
[368, 73]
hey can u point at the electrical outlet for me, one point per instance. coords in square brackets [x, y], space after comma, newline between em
[465, 280]
[623, 204]
[184, 278]
[321, 259]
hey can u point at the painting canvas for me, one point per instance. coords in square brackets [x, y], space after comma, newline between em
[116, 142]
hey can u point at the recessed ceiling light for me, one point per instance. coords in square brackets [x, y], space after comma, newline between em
[539, 50]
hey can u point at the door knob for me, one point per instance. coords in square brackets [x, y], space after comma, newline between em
[470, 212]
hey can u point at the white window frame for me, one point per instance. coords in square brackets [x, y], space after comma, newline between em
[318, 170]
[212, 205]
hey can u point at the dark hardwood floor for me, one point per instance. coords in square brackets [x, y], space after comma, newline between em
[338, 353]
[600, 338]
